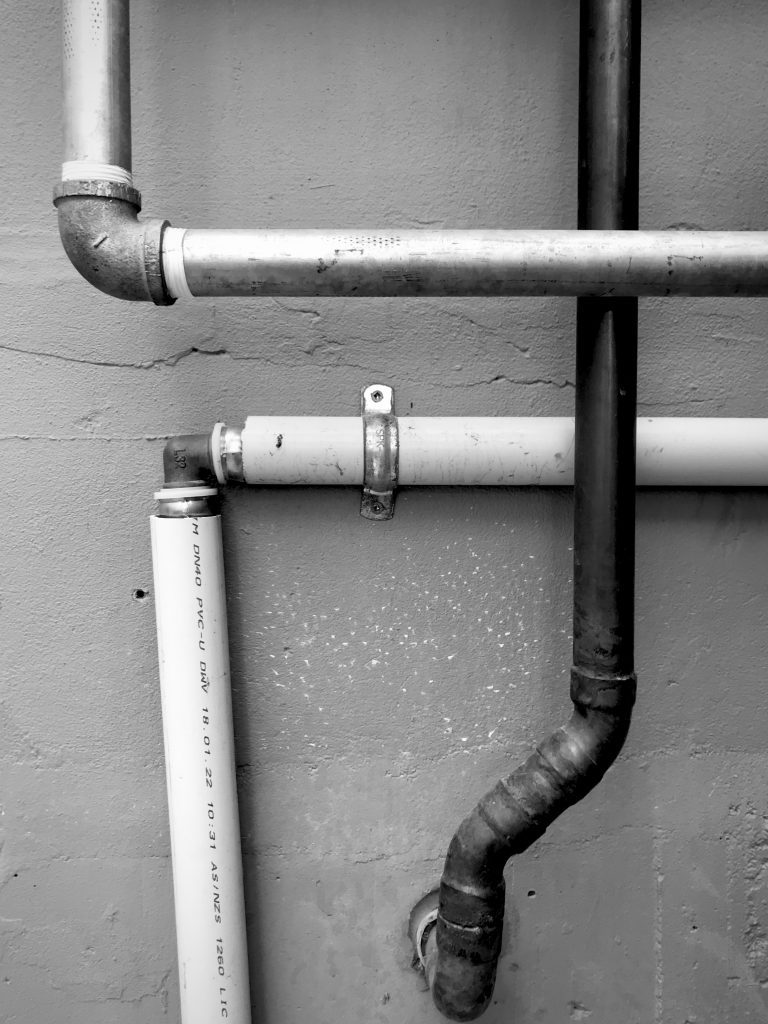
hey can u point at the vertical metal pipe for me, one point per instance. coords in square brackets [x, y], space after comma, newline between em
[606, 346]
[461, 965]
[97, 86]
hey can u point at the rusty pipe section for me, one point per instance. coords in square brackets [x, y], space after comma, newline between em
[461, 966]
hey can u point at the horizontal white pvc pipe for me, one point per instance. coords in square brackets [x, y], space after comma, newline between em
[200, 770]
[303, 450]
[501, 451]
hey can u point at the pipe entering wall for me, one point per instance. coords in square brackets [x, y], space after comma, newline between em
[461, 963]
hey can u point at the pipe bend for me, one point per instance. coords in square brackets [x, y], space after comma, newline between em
[108, 244]
[508, 819]
[188, 459]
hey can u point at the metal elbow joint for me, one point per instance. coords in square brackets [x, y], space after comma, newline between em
[461, 969]
[189, 479]
[108, 244]
[188, 459]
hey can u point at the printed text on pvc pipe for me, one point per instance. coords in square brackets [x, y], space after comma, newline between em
[205, 717]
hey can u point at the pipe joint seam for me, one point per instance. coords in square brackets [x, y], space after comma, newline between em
[107, 243]
[101, 188]
[611, 694]
[478, 945]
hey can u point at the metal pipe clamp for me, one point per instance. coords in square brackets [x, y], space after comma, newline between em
[381, 448]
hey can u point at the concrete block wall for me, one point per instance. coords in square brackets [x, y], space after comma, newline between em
[384, 675]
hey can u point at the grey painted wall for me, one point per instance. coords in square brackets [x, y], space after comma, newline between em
[384, 675]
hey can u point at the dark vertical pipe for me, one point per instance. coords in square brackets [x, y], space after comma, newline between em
[569, 763]
[606, 346]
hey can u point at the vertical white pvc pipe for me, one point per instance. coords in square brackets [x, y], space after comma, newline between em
[200, 769]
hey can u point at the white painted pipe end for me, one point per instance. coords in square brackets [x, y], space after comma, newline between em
[87, 170]
[173, 263]
[179, 493]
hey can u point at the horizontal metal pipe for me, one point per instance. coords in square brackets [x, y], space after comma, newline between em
[499, 451]
[412, 263]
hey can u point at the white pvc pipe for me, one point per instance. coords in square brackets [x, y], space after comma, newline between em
[303, 450]
[200, 770]
[699, 452]
[501, 451]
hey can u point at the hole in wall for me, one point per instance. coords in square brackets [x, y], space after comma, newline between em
[140, 594]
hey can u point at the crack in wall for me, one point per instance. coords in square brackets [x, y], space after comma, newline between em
[146, 364]
[80, 438]
[522, 381]
[175, 358]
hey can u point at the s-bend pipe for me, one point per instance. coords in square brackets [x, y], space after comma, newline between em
[461, 962]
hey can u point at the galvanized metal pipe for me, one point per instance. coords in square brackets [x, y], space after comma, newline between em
[97, 90]
[360, 262]
[451, 263]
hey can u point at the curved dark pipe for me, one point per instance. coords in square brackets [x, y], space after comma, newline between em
[512, 816]
[573, 759]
